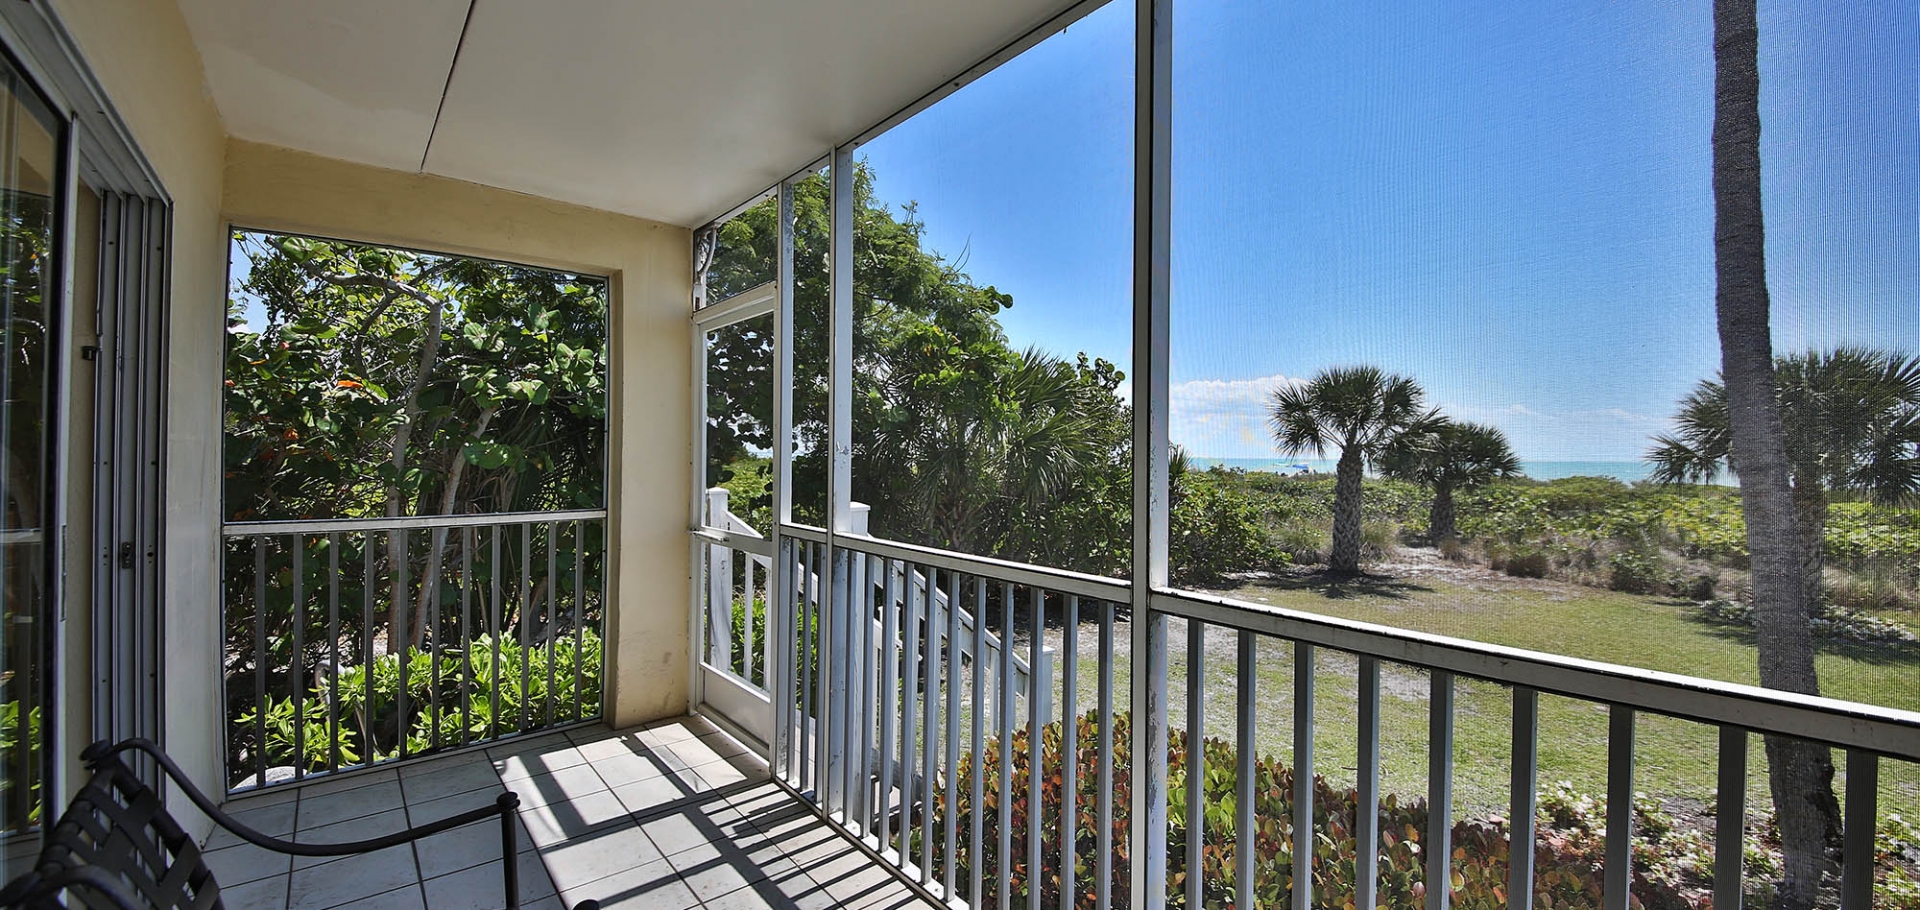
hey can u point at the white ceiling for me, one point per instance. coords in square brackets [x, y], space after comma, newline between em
[668, 109]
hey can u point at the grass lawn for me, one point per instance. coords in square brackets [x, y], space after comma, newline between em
[1676, 759]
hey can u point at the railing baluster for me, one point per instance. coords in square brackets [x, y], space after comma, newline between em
[859, 696]
[369, 747]
[526, 628]
[1366, 827]
[864, 729]
[1036, 640]
[976, 846]
[466, 632]
[1244, 749]
[859, 627]
[1103, 856]
[780, 665]
[260, 654]
[333, 652]
[1069, 749]
[1303, 677]
[930, 714]
[1522, 789]
[438, 540]
[1003, 716]
[1862, 816]
[804, 654]
[1616, 885]
[493, 630]
[552, 622]
[781, 612]
[1439, 845]
[1730, 820]
[909, 712]
[950, 819]
[397, 628]
[1196, 757]
[836, 675]
[820, 567]
[748, 645]
[579, 619]
[296, 670]
[889, 693]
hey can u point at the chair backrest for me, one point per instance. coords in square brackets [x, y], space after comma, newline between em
[117, 846]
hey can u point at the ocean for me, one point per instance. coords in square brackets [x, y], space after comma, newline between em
[1627, 471]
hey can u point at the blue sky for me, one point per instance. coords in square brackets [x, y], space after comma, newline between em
[1510, 203]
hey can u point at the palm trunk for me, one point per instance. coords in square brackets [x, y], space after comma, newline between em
[1810, 502]
[1800, 774]
[1440, 519]
[1346, 513]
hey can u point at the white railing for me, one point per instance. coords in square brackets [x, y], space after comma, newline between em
[738, 573]
[856, 702]
[895, 696]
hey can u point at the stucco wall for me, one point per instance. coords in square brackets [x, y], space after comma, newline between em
[279, 189]
[144, 57]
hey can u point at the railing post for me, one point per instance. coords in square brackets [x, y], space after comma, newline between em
[1522, 788]
[1617, 887]
[1730, 820]
[1862, 817]
[1439, 844]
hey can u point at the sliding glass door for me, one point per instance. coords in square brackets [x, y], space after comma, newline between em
[30, 139]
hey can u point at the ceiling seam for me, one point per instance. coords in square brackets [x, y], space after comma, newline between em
[448, 86]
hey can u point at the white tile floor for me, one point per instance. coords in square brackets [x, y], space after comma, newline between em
[672, 816]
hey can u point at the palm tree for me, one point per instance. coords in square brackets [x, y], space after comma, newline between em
[1852, 424]
[1800, 773]
[1363, 411]
[993, 444]
[1455, 456]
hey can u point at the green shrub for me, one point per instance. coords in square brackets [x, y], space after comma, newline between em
[1305, 541]
[1379, 538]
[1634, 572]
[753, 670]
[467, 695]
[1699, 587]
[1568, 856]
[1878, 584]
[11, 737]
[1836, 624]
[1522, 561]
[1215, 530]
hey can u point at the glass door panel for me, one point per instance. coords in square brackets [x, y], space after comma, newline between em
[29, 139]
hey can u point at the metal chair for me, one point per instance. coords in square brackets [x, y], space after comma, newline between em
[117, 846]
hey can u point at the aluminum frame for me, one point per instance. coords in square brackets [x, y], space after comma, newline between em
[1152, 256]
[1867, 731]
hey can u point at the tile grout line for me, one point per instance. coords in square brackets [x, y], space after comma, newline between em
[286, 900]
[413, 847]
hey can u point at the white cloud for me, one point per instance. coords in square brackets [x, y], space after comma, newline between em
[1227, 418]
[1604, 434]
[1224, 418]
